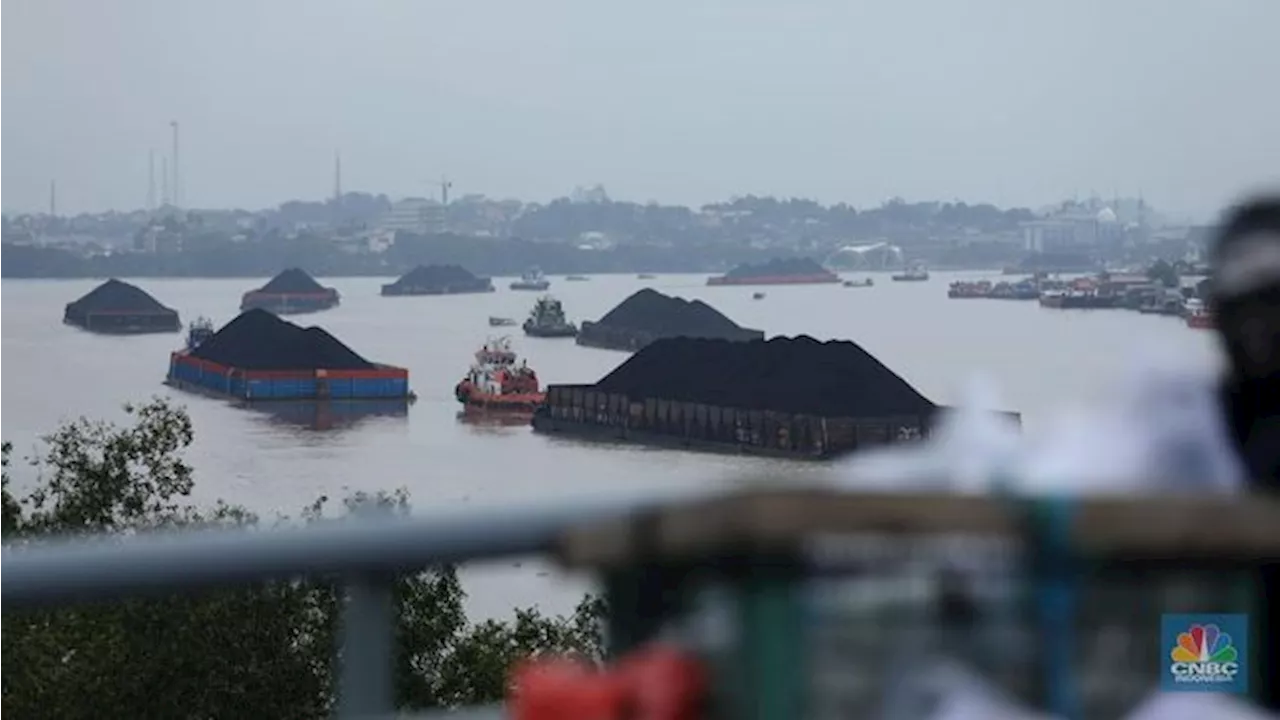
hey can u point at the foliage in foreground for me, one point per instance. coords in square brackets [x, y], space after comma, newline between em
[264, 651]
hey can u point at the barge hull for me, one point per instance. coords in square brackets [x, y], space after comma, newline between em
[776, 280]
[584, 412]
[381, 383]
[109, 323]
[394, 290]
[289, 303]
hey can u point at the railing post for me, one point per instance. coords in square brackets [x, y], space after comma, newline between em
[366, 684]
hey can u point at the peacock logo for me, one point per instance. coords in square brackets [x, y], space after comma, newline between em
[1204, 654]
[1204, 643]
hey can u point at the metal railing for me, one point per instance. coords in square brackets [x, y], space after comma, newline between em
[370, 552]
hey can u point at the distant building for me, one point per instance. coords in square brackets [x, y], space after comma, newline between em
[420, 216]
[1073, 229]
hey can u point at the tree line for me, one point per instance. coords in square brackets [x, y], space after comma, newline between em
[261, 651]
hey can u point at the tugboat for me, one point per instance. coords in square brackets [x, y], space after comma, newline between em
[497, 384]
[547, 320]
[916, 273]
[532, 279]
[198, 332]
[1198, 316]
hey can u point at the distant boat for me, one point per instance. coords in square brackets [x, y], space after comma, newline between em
[645, 276]
[577, 278]
[500, 321]
[532, 279]
[916, 273]
[865, 282]
[757, 296]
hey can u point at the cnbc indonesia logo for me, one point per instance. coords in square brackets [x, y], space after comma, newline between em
[1204, 655]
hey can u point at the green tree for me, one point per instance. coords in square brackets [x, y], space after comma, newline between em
[1164, 273]
[261, 651]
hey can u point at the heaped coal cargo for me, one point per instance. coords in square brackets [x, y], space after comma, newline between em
[792, 271]
[791, 397]
[292, 291]
[438, 280]
[648, 315]
[259, 356]
[118, 308]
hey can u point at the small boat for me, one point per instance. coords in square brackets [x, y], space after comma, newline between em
[577, 278]
[500, 322]
[866, 282]
[531, 279]
[547, 320]
[497, 384]
[645, 276]
[198, 332]
[916, 273]
[757, 296]
[1198, 315]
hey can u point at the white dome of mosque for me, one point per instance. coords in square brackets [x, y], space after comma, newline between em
[1107, 215]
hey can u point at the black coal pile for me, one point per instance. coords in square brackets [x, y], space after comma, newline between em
[259, 340]
[115, 296]
[778, 267]
[438, 275]
[794, 375]
[293, 281]
[652, 312]
[437, 279]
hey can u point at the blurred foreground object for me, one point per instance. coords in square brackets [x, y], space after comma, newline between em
[818, 603]
[1245, 292]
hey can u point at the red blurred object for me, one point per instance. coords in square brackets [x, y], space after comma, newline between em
[665, 683]
[654, 683]
[565, 690]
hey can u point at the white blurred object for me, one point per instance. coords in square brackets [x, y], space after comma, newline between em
[946, 691]
[1162, 430]
[970, 445]
[1197, 706]
[979, 445]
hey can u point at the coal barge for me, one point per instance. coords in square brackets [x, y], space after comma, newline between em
[261, 357]
[785, 397]
[118, 308]
[648, 315]
[438, 280]
[796, 271]
[292, 291]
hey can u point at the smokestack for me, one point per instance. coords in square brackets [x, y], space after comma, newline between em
[164, 180]
[151, 180]
[177, 175]
[337, 177]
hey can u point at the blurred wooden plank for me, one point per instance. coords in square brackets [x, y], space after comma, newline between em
[780, 520]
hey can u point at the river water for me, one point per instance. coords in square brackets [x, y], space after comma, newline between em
[1039, 357]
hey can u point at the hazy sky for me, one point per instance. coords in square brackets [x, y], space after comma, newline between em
[1010, 101]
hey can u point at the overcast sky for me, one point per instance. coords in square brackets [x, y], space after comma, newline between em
[687, 101]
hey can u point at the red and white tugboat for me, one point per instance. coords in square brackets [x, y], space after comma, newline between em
[1198, 315]
[497, 383]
